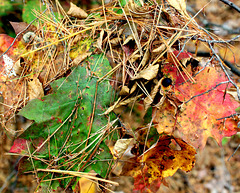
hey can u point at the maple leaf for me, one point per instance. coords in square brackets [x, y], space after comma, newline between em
[206, 107]
[65, 114]
[159, 162]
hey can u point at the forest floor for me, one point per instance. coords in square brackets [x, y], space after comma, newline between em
[215, 170]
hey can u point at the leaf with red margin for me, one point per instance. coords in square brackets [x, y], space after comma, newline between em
[19, 146]
[159, 162]
[205, 106]
[10, 90]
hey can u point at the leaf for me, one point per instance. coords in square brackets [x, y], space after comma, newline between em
[81, 58]
[206, 109]
[121, 146]
[5, 7]
[160, 161]
[86, 185]
[180, 6]
[65, 115]
[18, 26]
[11, 86]
[28, 14]
[148, 73]
[35, 89]
[77, 12]
[19, 146]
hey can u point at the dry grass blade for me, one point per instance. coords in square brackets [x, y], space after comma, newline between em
[79, 174]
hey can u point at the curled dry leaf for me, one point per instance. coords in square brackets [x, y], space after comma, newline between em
[149, 99]
[160, 49]
[148, 73]
[81, 58]
[145, 59]
[124, 91]
[115, 41]
[35, 89]
[122, 103]
[17, 67]
[77, 12]
[129, 38]
[100, 40]
[121, 146]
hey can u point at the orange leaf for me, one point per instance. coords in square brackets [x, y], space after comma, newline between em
[206, 109]
[160, 161]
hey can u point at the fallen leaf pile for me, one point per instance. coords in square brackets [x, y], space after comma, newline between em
[70, 77]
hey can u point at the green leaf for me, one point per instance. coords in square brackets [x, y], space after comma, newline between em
[28, 14]
[64, 117]
[5, 6]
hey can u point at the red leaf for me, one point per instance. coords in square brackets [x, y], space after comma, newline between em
[205, 109]
[19, 145]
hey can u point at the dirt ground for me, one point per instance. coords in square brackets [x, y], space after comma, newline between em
[215, 170]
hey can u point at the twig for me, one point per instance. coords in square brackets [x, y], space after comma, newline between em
[230, 116]
[234, 152]
[231, 4]
[22, 32]
[232, 67]
[225, 71]
[207, 91]
[220, 41]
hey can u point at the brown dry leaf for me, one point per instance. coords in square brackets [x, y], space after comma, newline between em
[160, 49]
[148, 73]
[129, 38]
[121, 146]
[134, 87]
[124, 91]
[80, 58]
[180, 6]
[149, 99]
[129, 100]
[145, 58]
[110, 109]
[134, 58]
[35, 89]
[119, 104]
[115, 41]
[17, 67]
[100, 40]
[77, 12]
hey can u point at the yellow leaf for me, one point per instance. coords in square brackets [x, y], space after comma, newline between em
[87, 185]
[180, 6]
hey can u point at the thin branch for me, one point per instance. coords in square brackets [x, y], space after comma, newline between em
[220, 41]
[225, 71]
[207, 91]
[234, 152]
[231, 4]
[22, 32]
